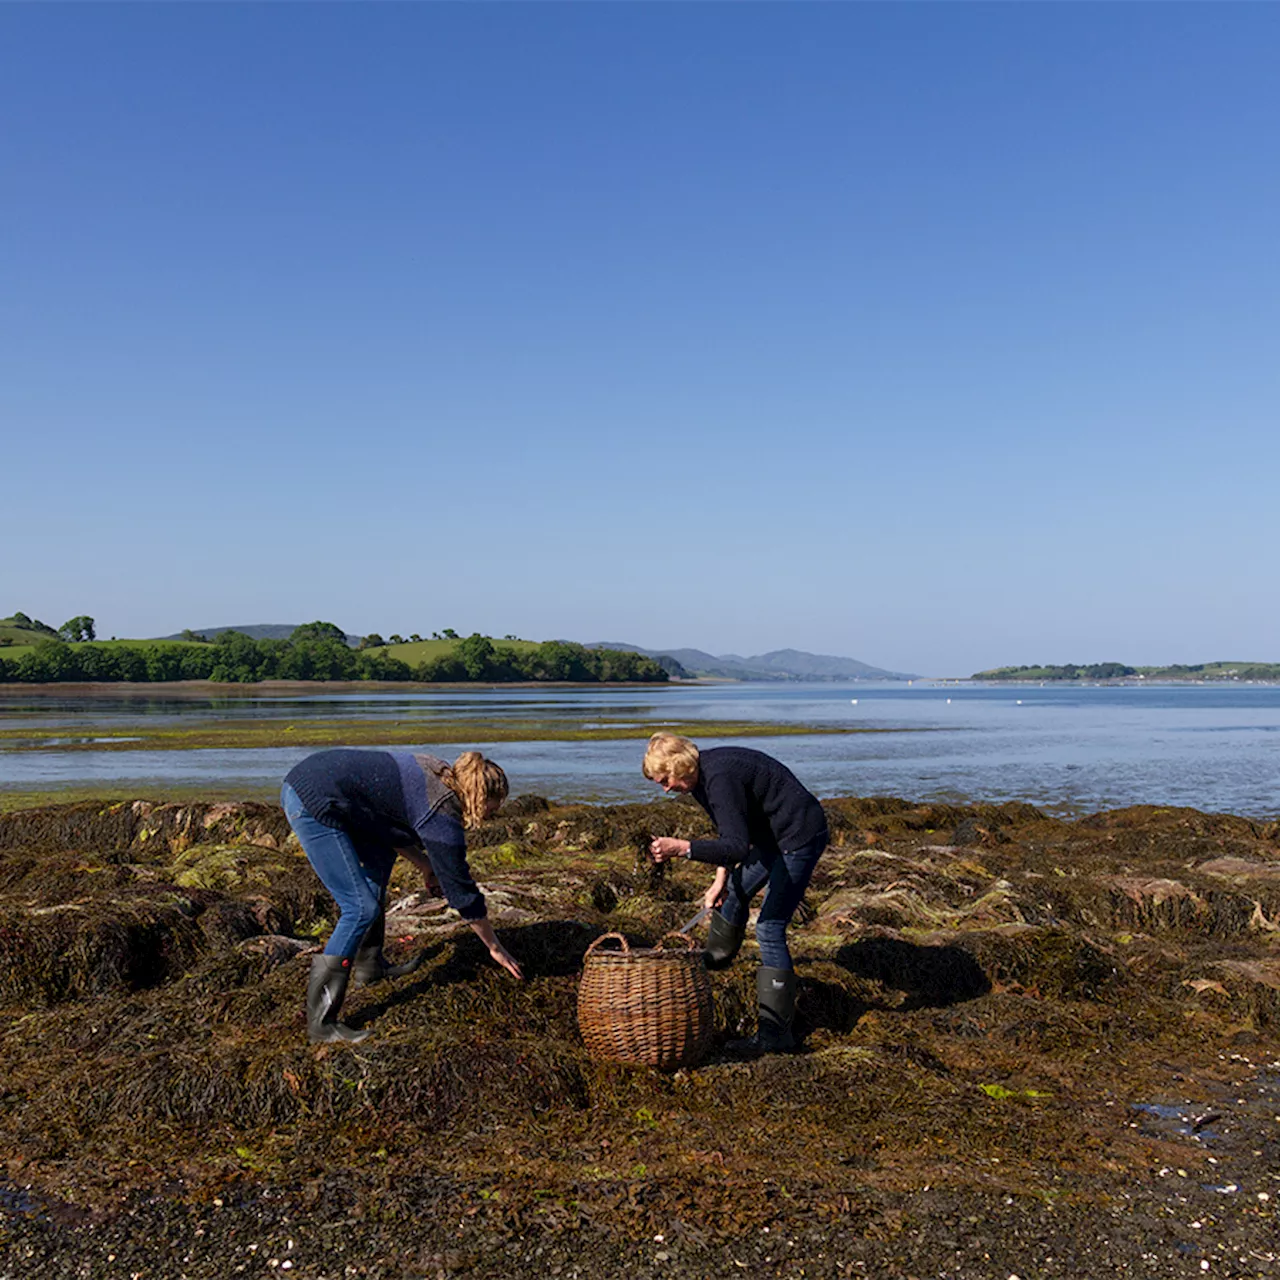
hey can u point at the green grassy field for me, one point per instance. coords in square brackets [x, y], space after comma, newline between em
[24, 639]
[15, 651]
[416, 651]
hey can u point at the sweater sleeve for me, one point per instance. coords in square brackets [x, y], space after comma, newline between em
[727, 805]
[446, 846]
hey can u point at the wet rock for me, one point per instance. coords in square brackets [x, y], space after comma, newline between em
[228, 922]
[274, 948]
[1258, 982]
[972, 832]
[1155, 903]
[525, 806]
[1240, 870]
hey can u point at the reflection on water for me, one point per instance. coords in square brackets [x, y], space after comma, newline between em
[1211, 746]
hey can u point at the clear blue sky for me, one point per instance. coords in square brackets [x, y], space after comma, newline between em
[936, 336]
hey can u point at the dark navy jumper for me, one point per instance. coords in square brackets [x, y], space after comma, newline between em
[756, 802]
[770, 830]
[383, 801]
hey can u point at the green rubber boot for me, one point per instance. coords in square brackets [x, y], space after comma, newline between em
[723, 941]
[326, 990]
[776, 996]
[370, 965]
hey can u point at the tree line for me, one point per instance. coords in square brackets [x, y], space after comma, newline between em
[1068, 671]
[318, 651]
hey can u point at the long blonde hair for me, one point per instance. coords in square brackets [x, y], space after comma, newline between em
[475, 781]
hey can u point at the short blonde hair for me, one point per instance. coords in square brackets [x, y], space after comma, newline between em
[671, 756]
[475, 781]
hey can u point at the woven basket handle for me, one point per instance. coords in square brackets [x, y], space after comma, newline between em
[604, 937]
[689, 943]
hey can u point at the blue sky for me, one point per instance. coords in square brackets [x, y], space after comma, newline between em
[939, 336]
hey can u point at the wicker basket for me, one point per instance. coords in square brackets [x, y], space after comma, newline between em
[652, 1007]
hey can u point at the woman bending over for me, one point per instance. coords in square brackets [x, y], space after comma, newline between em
[354, 812]
[769, 831]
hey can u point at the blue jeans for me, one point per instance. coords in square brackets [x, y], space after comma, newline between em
[356, 874]
[788, 876]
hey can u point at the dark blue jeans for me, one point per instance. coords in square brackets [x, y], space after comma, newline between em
[355, 873]
[787, 875]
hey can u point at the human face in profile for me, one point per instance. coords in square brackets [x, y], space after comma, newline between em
[681, 786]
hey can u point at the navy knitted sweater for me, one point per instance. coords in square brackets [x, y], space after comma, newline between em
[382, 800]
[757, 804]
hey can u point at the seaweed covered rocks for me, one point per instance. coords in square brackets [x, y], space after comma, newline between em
[1024, 1040]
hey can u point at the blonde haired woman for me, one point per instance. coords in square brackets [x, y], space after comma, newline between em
[354, 812]
[769, 830]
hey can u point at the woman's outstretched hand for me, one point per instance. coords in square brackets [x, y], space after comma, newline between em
[714, 895]
[506, 960]
[661, 848]
[484, 931]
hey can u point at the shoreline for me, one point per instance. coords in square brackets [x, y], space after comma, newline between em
[197, 688]
[208, 688]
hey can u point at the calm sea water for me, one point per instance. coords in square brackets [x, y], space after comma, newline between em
[1215, 747]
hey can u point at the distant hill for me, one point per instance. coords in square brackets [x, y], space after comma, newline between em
[1199, 671]
[779, 664]
[256, 631]
[19, 629]
[797, 664]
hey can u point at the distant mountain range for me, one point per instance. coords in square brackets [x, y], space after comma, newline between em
[779, 664]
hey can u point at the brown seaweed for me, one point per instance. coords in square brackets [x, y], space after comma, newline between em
[985, 994]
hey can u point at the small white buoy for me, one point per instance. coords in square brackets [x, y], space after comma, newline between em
[1019, 702]
[854, 701]
[948, 702]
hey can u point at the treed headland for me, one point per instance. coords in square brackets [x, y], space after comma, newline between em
[35, 653]
[1118, 671]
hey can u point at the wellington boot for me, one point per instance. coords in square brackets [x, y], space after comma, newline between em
[776, 996]
[723, 941]
[371, 965]
[326, 990]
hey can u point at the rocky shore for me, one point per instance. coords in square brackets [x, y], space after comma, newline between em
[1032, 1047]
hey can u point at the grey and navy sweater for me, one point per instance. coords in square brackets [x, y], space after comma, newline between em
[757, 804]
[385, 801]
